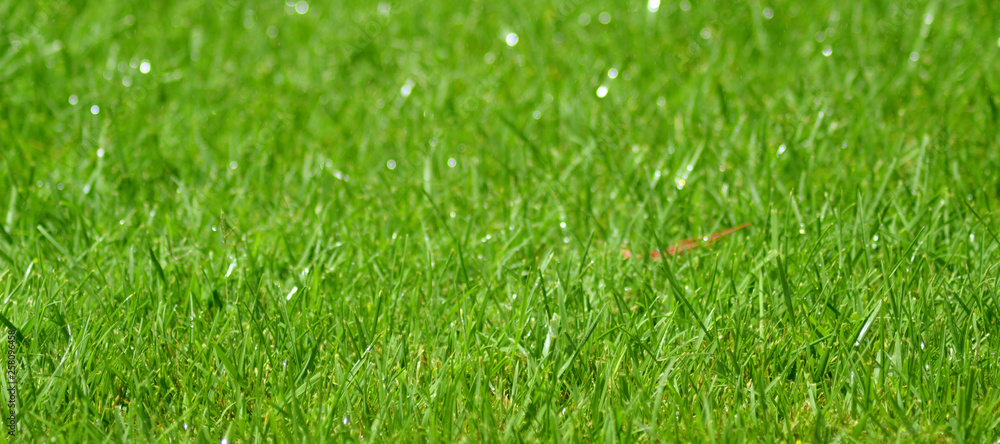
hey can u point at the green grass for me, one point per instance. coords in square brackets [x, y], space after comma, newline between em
[223, 251]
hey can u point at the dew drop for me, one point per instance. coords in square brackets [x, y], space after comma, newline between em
[407, 88]
[511, 39]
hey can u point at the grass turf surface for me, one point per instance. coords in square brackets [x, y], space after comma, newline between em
[381, 220]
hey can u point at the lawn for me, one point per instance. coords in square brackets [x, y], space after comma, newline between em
[242, 221]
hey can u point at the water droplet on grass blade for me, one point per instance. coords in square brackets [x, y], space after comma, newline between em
[407, 88]
[511, 39]
[292, 293]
